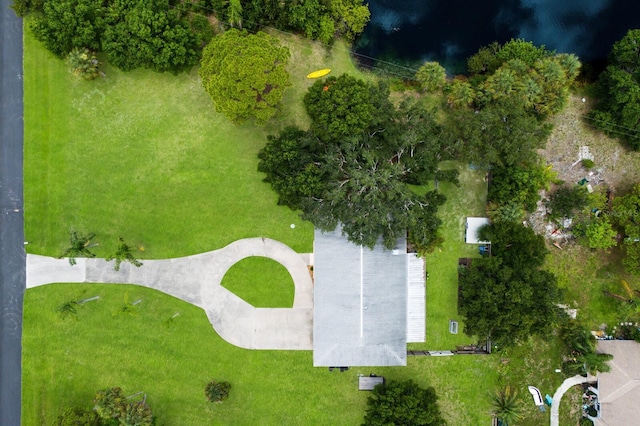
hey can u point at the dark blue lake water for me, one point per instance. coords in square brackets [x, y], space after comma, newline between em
[449, 31]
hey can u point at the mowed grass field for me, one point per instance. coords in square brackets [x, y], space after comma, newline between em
[66, 360]
[143, 155]
[465, 200]
[261, 282]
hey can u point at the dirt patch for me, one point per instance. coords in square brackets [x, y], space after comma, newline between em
[615, 166]
[615, 169]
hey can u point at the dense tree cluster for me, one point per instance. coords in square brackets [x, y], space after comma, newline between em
[508, 296]
[166, 35]
[317, 19]
[566, 201]
[403, 403]
[531, 76]
[355, 165]
[500, 134]
[245, 74]
[519, 184]
[150, 34]
[497, 119]
[618, 109]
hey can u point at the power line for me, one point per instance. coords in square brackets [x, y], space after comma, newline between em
[611, 124]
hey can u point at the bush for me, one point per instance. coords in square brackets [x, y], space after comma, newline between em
[587, 164]
[217, 391]
[76, 416]
[83, 63]
[566, 201]
[403, 403]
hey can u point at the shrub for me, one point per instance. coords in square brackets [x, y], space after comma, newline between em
[217, 391]
[83, 63]
[587, 164]
[75, 416]
[566, 201]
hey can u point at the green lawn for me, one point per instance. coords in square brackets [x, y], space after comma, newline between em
[66, 361]
[584, 274]
[143, 155]
[442, 265]
[261, 281]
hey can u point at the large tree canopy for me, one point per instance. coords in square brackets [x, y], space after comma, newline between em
[133, 33]
[148, 34]
[618, 109]
[403, 403]
[531, 76]
[501, 134]
[65, 24]
[318, 19]
[355, 168]
[245, 74]
[507, 296]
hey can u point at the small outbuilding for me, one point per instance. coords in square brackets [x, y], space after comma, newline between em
[472, 227]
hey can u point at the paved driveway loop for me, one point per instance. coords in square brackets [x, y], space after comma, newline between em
[197, 280]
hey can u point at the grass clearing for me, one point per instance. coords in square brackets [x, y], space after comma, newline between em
[143, 155]
[261, 282]
[583, 273]
[66, 361]
[442, 265]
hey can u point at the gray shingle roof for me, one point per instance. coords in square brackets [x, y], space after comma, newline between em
[360, 303]
[619, 390]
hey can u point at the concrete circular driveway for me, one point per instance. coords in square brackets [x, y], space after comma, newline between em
[197, 279]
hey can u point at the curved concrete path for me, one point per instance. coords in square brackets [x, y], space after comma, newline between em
[197, 280]
[557, 397]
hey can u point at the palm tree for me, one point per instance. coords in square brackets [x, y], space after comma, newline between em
[570, 63]
[217, 391]
[123, 253]
[506, 406]
[79, 246]
[83, 63]
[595, 362]
[502, 84]
[431, 76]
[460, 93]
[234, 13]
[510, 212]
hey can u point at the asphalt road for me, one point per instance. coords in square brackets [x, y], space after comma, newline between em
[12, 255]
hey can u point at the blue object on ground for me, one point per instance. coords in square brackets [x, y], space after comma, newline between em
[548, 400]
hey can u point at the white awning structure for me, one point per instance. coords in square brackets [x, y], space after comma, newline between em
[416, 293]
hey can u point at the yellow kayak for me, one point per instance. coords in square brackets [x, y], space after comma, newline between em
[319, 73]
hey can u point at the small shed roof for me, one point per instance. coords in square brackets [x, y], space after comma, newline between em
[619, 389]
[360, 303]
[471, 232]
